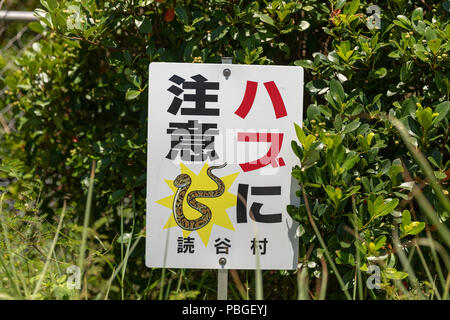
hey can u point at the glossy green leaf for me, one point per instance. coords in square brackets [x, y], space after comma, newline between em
[132, 94]
[337, 91]
[182, 15]
[352, 7]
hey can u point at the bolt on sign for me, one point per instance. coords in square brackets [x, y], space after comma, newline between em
[219, 165]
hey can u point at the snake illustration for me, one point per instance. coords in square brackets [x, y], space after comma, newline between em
[183, 182]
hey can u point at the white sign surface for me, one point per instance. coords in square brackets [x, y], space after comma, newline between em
[219, 165]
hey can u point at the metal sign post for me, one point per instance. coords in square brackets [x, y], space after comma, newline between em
[222, 284]
[17, 15]
[222, 274]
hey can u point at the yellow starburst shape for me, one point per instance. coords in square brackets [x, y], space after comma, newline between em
[217, 205]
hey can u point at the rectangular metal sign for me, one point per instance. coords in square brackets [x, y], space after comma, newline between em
[219, 165]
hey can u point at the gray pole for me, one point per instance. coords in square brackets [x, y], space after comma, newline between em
[17, 15]
[222, 274]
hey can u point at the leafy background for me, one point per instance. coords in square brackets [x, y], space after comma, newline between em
[373, 148]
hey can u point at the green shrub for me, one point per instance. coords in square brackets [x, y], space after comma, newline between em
[357, 172]
[80, 94]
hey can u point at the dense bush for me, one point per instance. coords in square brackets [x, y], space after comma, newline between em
[80, 95]
[357, 172]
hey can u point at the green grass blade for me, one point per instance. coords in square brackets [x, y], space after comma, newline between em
[49, 255]
[324, 281]
[120, 266]
[323, 245]
[87, 216]
[427, 271]
[423, 163]
[405, 263]
[127, 252]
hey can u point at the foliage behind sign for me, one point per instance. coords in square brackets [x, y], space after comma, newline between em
[80, 94]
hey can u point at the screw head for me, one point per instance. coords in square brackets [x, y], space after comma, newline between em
[222, 261]
[226, 73]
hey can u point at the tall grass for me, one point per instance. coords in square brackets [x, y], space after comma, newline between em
[323, 245]
[50, 253]
[417, 291]
[33, 271]
[443, 231]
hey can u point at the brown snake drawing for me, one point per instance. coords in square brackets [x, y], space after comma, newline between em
[183, 182]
